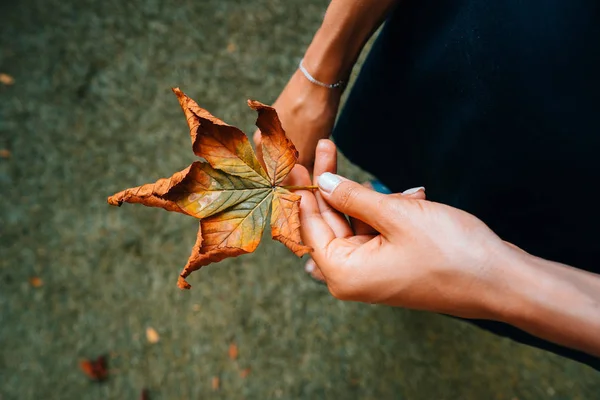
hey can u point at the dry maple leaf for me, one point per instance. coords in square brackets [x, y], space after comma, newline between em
[215, 383]
[6, 79]
[230, 192]
[36, 281]
[233, 351]
[96, 369]
[151, 335]
[245, 372]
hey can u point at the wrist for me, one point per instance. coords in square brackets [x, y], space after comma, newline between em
[548, 299]
[513, 275]
[331, 55]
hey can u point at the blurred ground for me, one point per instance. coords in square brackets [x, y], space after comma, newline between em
[90, 113]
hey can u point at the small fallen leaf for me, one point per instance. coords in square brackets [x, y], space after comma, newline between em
[36, 282]
[230, 193]
[233, 351]
[4, 153]
[245, 372]
[96, 369]
[151, 335]
[196, 307]
[215, 383]
[231, 47]
[6, 79]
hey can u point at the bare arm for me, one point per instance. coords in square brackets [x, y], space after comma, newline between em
[428, 256]
[308, 111]
[549, 300]
[346, 27]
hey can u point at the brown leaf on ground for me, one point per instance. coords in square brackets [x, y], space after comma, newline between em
[5, 153]
[245, 372]
[36, 281]
[231, 47]
[233, 351]
[151, 335]
[96, 370]
[215, 383]
[230, 192]
[144, 394]
[6, 79]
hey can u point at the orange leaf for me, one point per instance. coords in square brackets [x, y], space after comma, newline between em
[6, 79]
[245, 372]
[215, 383]
[233, 351]
[36, 281]
[96, 369]
[151, 335]
[230, 193]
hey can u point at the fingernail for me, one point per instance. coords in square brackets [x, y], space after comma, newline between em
[413, 190]
[328, 182]
[309, 266]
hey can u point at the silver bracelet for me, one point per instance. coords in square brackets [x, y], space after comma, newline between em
[308, 76]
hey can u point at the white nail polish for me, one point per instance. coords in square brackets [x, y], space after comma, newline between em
[413, 190]
[309, 266]
[328, 182]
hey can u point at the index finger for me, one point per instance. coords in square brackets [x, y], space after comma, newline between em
[314, 230]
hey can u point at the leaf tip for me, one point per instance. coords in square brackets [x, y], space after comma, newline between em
[182, 283]
[296, 247]
[113, 201]
[257, 105]
[181, 97]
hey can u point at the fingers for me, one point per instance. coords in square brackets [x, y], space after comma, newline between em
[362, 228]
[326, 161]
[357, 201]
[326, 157]
[315, 232]
[315, 272]
[298, 176]
[359, 227]
[416, 193]
[257, 139]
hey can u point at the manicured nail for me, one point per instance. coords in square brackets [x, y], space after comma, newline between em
[413, 190]
[328, 182]
[309, 266]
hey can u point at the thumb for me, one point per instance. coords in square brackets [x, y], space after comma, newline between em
[355, 200]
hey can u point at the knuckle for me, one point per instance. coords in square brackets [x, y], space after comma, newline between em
[393, 207]
[347, 195]
[340, 292]
[342, 285]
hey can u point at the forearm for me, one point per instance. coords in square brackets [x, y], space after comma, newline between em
[550, 300]
[346, 27]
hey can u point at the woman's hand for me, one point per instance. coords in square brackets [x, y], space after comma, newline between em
[403, 250]
[407, 251]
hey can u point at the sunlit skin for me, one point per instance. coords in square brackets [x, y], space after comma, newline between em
[414, 253]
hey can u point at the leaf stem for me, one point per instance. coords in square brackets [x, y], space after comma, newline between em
[300, 187]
